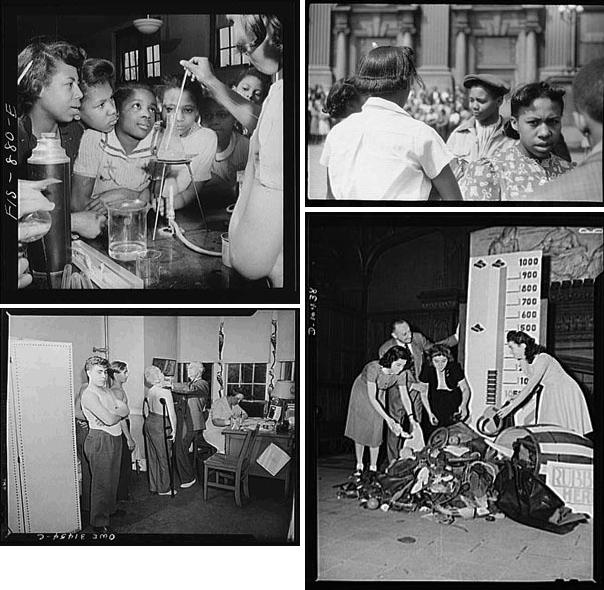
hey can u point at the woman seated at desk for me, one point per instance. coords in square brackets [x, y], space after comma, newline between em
[223, 411]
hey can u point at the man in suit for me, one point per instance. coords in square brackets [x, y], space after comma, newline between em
[584, 183]
[417, 344]
[190, 401]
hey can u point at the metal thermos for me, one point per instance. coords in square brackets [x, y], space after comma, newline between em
[49, 160]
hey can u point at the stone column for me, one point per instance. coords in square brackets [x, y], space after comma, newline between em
[342, 31]
[434, 68]
[319, 45]
[532, 28]
[406, 25]
[557, 45]
[461, 30]
[520, 53]
[531, 56]
[460, 57]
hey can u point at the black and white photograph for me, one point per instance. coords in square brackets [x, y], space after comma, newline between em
[147, 152]
[454, 102]
[158, 428]
[455, 379]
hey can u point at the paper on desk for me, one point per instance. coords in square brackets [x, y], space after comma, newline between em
[273, 459]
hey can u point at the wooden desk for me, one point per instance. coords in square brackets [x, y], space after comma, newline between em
[234, 441]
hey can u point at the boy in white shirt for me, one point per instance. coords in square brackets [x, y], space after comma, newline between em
[382, 153]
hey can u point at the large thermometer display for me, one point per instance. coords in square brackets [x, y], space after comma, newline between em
[503, 294]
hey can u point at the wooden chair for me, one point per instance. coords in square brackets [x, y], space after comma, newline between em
[227, 467]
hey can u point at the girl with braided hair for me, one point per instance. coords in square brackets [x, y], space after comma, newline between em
[343, 100]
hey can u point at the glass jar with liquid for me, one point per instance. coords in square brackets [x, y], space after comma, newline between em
[127, 229]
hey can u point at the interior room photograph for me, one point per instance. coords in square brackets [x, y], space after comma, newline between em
[181, 427]
[455, 371]
[157, 131]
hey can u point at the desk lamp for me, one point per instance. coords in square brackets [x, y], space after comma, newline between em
[283, 395]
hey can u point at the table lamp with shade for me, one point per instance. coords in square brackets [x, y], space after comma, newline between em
[281, 408]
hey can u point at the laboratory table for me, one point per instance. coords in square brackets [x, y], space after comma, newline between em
[181, 267]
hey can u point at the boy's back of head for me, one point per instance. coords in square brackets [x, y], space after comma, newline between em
[588, 89]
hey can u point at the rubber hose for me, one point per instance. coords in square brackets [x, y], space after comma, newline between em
[181, 237]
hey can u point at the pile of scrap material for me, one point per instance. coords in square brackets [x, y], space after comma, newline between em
[452, 476]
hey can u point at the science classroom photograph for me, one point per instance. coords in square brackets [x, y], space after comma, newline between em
[150, 151]
[455, 376]
[161, 429]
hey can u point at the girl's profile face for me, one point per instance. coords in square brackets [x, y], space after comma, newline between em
[98, 108]
[137, 114]
[61, 98]
[187, 111]
[250, 87]
[539, 126]
[122, 376]
[517, 350]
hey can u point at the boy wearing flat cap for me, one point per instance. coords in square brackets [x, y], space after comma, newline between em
[482, 134]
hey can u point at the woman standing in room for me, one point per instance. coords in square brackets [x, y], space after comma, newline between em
[366, 413]
[118, 373]
[223, 411]
[159, 400]
[256, 227]
[448, 392]
[530, 162]
[561, 401]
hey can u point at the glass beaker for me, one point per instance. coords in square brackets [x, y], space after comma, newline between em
[127, 229]
[171, 147]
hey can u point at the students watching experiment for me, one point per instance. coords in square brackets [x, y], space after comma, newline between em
[97, 109]
[197, 141]
[115, 165]
[49, 100]
[232, 150]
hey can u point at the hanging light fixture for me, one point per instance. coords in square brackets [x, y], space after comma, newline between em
[147, 26]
